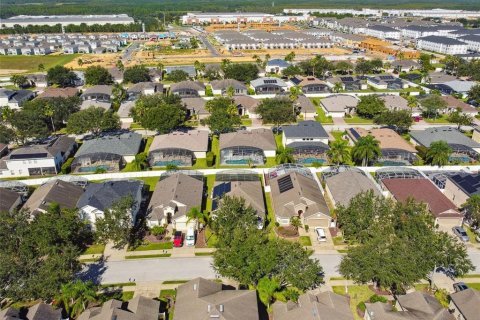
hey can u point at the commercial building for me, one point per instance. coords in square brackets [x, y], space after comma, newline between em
[192, 18]
[65, 20]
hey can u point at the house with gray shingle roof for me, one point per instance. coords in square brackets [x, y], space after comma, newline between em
[188, 89]
[338, 106]
[221, 86]
[201, 299]
[138, 308]
[465, 304]
[99, 197]
[243, 146]
[308, 140]
[173, 198]
[269, 85]
[9, 200]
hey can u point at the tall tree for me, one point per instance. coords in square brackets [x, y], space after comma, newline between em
[76, 295]
[136, 74]
[199, 216]
[460, 118]
[433, 105]
[338, 152]
[97, 75]
[61, 76]
[290, 57]
[474, 93]
[177, 76]
[401, 120]
[370, 106]
[245, 72]
[366, 150]
[438, 154]
[472, 207]
[223, 116]
[266, 288]
[18, 80]
[284, 155]
[93, 119]
[277, 111]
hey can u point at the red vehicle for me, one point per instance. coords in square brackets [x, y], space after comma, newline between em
[178, 239]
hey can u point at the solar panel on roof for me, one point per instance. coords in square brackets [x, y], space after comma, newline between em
[29, 155]
[285, 184]
[269, 81]
[346, 79]
[355, 134]
[218, 192]
[387, 77]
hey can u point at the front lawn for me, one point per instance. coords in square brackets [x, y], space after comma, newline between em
[152, 246]
[95, 249]
[441, 120]
[305, 241]
[322, 118]
[337, 135]
[211, 238]
[471, 235]
[247, 122]
[357, 120]
[149, 256]
[357, 293]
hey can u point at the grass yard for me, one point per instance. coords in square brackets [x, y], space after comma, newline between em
[118, 285]
[130, 167]
[357, 120]
[216, 150]
[210, 182]
[203, 254]
[278, 140]
[127, 295]
[165, 295]
[322, 118]
[153, 246]
[336, 278]
[31, 63]
[247, 122]
[174, 282]
[357, 293]
[471, 235]
[150, 181]
[148, 256]
[475, 286]
[200, 164]
[305, 241]
[211, 238]
[147, 144]
[338, 241]
[337, 135]
[136, 126]
[95, 249]
[442, 119]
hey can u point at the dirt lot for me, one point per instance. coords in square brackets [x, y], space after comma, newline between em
[104, 60]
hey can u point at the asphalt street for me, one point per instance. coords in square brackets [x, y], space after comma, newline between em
[161, 269]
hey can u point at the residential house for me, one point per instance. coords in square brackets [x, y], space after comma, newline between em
[461, 186]
[173, 198]
[43, 311]
[117, 74]
[440, 77]
[338, 106]
[178, 148]
[441, 44]
[304, 107]
[99, 197]
[395, 150]
[454, 104]
[246, 105]
[196, 107]
[222, 87]
[137, 308]
[38, 80]
[15, 98]
[268, 85]
[65, 194]
[412, 306]
[244, 147]
[321, 306]
[3, 149]
[276, 66]
[38, 159]
[464, 148]
[108, 152]
[386, 81]
[188, 89]
[126, 119]
[405, 65]
[308, 140]
[144, 88]
[201, 299]
[58, 93]
[311, 85]
[97, 96]
[348, 83]
[295, 194]
[342, 185]
[459, 86]
[190, 70]
[423, 190]
[9, 200]
[464, 304]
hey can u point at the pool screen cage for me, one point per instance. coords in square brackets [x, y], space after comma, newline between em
[397, 156]
[440, 177]
[334, 170]
[459, 150]
[192, 173]
[301, 152]
[287, 168]
[397, 173]
[15, 186]
[242, 155]
[177, 156]
[237, 175]
[108, 161]
[76, 180]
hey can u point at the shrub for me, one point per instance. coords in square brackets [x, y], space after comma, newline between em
[377, 298]
[442, 297]
[361, 306]
[210, 159]
[250, 91]
[209, 91]
[66, 166]
[306, 227]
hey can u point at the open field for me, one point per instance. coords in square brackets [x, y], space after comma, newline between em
[21, 64]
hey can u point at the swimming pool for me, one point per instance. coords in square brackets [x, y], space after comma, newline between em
[93, 169]
[166, 163]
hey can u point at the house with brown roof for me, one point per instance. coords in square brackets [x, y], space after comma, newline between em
[423, 190]
[338, 106]
[188, 89]
[173, 197]
[297, 195]
[178, 148]
[196, 107]
[9, 200]
[201, 299]
[246, 106]
[43, 311]
[322, 306]
[221, 87]
[311, 84]
[138, 308]
[244, 147]
[453, 104]
[465, 304]
[63, 193]
[58, 93]
[395, 150]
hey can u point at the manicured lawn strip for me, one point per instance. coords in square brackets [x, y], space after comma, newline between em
[136, 126]
[174, 282]
[90, 260]
[471, 235]
[336, 278]
[200, 164]
[356, 119]
[473, 275]
[421, 286]
[278, 140]
[201, 254]
[271, 162]
[153, 246]
[210, 180]
[211, 238]
[357, 293]
[130, 167]
[147, 144]
[322, 118]
[305, 241]
[95, 249]
[148, 256]
[247, 122]
[475, 286]
[337, 135]
[119, 285]
[342, 251]
[30, 63]
[442, 119]
[150, 181]
[216, 150]
[127, 295]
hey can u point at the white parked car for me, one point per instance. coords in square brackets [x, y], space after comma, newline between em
[190, 237]
[321, 235]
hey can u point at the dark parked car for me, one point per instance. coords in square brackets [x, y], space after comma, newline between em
[460, 286]
[178, 239]
[462, 234]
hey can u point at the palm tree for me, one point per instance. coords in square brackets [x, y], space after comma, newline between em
[366, 149]
[76, 295]
[202, 217]
[230, 91]
[296, 223]
[266, 288]
[49, 111]
[140, 161]
[338, 87]
[294, 93]
[284, 155]
[438, 153]
[338, 152]
[119, 65]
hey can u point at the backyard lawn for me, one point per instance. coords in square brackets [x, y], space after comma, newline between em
[441, 120]
[150, 181]
[210, 182]
[322, 118]
[30, 63]
[357, 293]
[337, 135]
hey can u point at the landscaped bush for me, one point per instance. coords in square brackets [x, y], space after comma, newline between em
[442, 297]
[377, 298]
[210, 159]
[209, 91]
[66, 166]
[287, 231]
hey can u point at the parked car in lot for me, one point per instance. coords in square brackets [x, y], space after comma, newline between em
[321, 235]
[460, 286]
[178, 239]
[461, 233]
